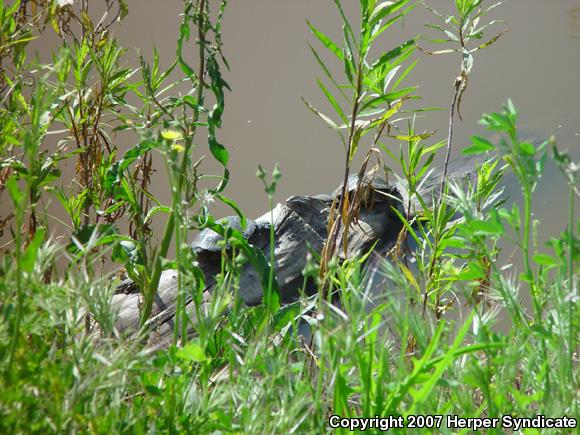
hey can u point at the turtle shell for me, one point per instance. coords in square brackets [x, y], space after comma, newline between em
[374, 181]
[209, 241]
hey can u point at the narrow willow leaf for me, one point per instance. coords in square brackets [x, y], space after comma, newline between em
[345, 21]
[349, 63]
[332, 101]
[409, 275]
[326, 41]
[404, 75]
[389, 77]
[484, 228]
[489, 8]
[389, 23]
[327, 72]
[452, 36]
[387, 57]
[388, 98]
[491, 41]
[436, 52]
[355, 141]
[386, 8]
[320, 115]
[387, 115]
[349, 69]
[480, 30]
[413, 137]
[434, 12]
[435, 27]
[435, 147]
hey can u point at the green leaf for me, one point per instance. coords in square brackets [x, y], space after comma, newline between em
[321, 115]
[421, 395]
[285, 315]
[413, 137]
[332, 101]
[184, 36]
[484, 228]
[472, 272]
[157, 209]
[218, 151]
[479, 145]
[327, 72]
[16, 194]
[192, 351]
[125, 251]
[392, 54]
[192, 102]
[386, 8]
[527, 148]
[28, 260]
[453, 242]
[491, 41]
[346, 23]
[235, 207]
[388, 98]
[326, 41]
[545, 260]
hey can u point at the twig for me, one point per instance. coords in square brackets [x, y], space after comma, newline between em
[336, 229]
[458, 84]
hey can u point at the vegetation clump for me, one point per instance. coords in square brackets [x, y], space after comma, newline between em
[426, 341]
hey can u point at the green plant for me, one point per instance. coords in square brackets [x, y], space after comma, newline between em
[375, 92]
[271, 296]
[444, 325]
[462, 29]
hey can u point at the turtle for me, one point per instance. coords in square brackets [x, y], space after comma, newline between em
[373, 188]
[207, 240]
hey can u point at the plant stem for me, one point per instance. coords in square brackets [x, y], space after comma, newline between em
[457, 86]
[573, 297]
[20, 302]
[149, 293]
[272, 256]
[526, 243]
[351, 136]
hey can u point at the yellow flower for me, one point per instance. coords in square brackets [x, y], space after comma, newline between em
[177, 147]
[171, 135]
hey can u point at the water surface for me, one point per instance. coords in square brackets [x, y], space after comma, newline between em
[536, 64]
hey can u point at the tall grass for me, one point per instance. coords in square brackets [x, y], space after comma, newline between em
[449, 329]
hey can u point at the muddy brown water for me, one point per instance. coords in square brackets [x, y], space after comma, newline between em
[537, 64]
